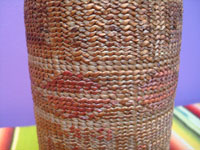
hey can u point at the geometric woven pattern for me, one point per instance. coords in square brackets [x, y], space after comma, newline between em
[185, 132]
[103, 72]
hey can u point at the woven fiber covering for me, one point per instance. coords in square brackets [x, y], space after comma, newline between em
[103, 72]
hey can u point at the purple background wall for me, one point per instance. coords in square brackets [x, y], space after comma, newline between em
[16, 106]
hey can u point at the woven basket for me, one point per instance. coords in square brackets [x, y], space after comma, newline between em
[103, 72]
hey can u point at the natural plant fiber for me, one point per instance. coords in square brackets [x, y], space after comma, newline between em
[103, 72]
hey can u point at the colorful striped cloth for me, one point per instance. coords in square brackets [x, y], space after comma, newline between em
[185, 132]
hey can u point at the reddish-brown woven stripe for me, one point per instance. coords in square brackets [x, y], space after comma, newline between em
[103, 72]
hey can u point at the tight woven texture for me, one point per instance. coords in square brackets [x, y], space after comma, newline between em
[103, 72]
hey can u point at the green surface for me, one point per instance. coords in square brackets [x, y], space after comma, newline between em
[27, 139]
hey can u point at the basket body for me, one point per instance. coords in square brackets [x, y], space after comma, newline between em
[103, 72]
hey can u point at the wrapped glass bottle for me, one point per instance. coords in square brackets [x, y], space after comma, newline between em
[103, 72]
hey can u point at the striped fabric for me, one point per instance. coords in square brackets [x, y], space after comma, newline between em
[186, 128]
[185, 132]
[18, 138]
